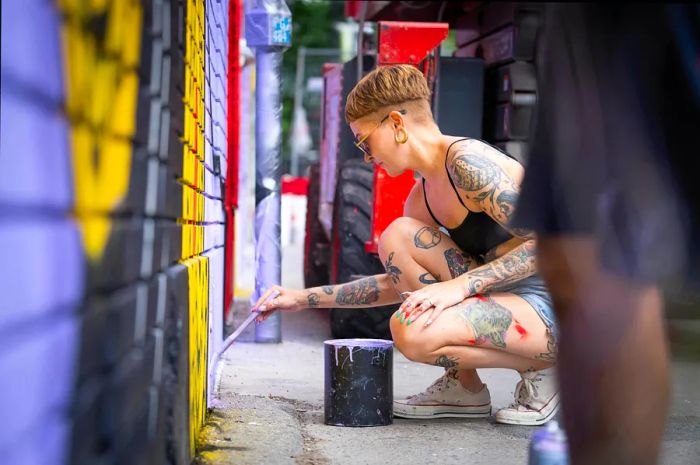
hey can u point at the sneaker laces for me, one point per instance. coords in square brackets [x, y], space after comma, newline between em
[438, 385]
[525, 390]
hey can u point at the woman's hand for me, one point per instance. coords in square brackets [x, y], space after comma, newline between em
[437, 297]
[279, 298]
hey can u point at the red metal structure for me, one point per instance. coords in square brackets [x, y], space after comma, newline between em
[402, 42]
[231, 192]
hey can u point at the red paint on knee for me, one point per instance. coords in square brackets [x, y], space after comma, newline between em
[518, 327]
[480, 297]
[471, 341]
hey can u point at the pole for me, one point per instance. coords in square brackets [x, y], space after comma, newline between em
[268, 174]
[298, 102]
[268, 30]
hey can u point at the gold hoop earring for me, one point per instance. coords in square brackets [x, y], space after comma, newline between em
[405, 136]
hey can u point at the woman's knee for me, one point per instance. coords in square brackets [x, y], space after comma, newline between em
[413, 344]
[394, 236]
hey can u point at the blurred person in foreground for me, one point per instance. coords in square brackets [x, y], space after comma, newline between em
[609, 192]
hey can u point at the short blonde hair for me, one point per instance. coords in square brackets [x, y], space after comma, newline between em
[387, 86]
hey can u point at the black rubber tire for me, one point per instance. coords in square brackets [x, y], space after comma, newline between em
[316, 244]
[353, 213]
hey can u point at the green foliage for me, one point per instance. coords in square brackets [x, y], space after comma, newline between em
[312, 26]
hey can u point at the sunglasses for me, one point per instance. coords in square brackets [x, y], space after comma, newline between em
[362, 143]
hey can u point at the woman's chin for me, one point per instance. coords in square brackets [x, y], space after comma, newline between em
[393, 172]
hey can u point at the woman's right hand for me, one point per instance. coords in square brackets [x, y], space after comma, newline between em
[291, 300]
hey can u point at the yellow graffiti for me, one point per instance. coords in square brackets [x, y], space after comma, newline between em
[193, 214]
[198, 280]
[101, 96]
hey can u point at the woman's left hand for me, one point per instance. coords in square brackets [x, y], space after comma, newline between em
[435, 297]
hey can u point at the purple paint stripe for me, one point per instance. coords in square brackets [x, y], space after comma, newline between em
[211, 170]
[204, 252]
[204, 194]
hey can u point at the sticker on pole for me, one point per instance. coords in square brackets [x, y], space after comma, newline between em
[281, 26]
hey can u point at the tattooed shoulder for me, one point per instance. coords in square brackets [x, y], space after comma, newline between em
[472, 171]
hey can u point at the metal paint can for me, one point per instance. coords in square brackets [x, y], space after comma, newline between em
[358, 382]
[549, 446]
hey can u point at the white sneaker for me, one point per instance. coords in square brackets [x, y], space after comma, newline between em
[536, 399]
[446, 397]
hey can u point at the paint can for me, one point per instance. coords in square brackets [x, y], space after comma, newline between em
[359, 386]
[549, 446]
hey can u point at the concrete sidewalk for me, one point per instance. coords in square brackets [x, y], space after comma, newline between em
[269, 410]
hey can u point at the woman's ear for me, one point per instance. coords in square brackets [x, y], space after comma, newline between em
[397, 119]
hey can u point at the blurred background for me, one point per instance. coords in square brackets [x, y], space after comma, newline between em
[129, 201]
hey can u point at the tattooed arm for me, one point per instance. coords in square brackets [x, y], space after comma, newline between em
[478, 170]
[515, 265]
[371, 291]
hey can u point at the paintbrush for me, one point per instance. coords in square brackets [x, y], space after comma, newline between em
[229, 340]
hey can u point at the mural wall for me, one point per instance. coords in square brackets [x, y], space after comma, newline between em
[113, 157]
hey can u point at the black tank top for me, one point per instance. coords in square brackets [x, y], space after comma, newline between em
[478, 233]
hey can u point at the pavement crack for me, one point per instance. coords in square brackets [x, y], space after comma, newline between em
[303, 412]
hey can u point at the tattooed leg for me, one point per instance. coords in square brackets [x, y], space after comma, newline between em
[418, 251]
[499, 323]
[488, 320]
[392, 270]
[446, 361]
[427, 238]
[427, 278]
[415, 255]
[457, 261]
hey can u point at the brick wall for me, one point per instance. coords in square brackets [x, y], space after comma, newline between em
[113, 157]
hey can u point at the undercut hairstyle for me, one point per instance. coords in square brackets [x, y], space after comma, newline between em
[389, 88]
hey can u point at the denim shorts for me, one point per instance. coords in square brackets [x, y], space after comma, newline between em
[534, 291]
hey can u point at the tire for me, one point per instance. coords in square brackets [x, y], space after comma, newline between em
[316, 244]
[351, 229]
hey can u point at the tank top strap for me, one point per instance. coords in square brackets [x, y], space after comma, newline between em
[425, 197]
[459, 197]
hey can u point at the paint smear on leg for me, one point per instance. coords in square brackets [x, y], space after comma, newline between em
[519, 328]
